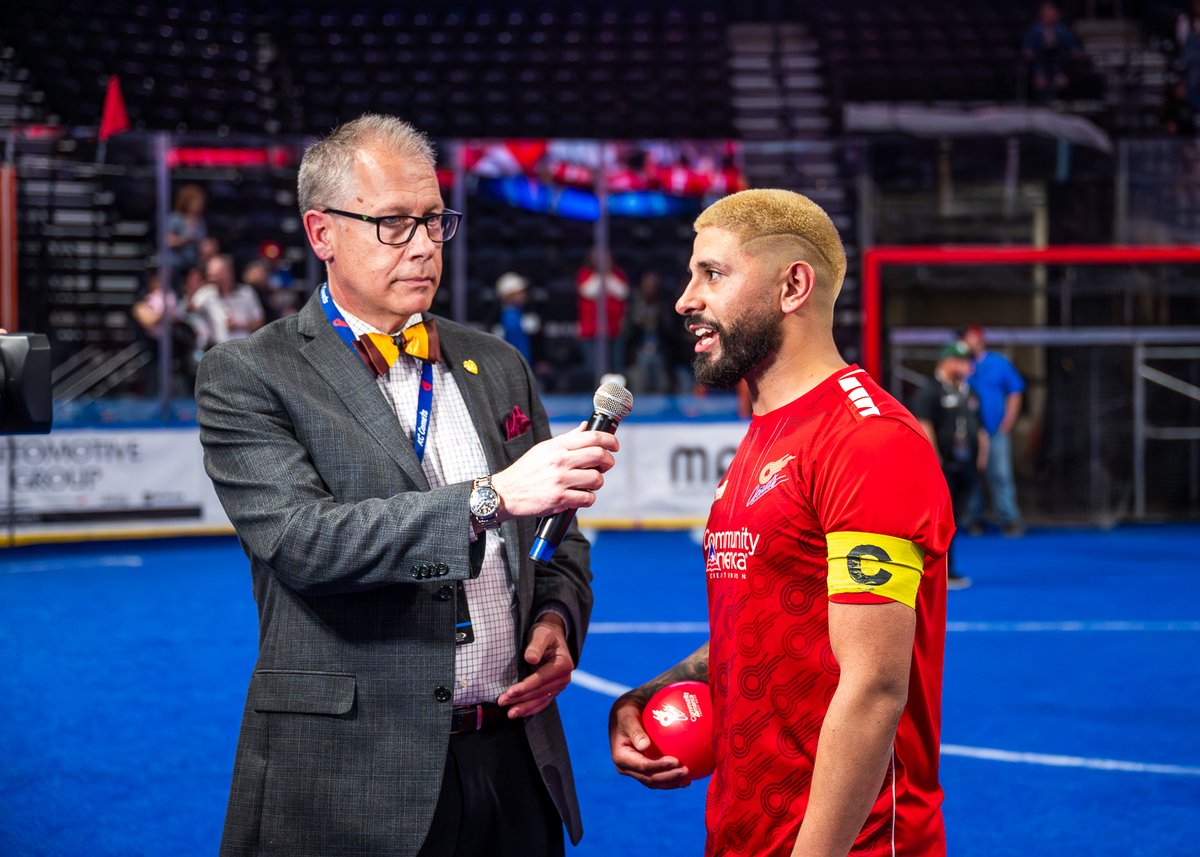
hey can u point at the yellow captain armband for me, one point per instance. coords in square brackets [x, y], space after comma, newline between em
[881, 565]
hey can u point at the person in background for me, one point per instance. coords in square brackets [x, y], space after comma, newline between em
[1001, 390]
[516, 325]
[948, 409]
[232, 309]
[186, 228]
[651, 328]
[614, 288]
[1048, 44]
[158, 314]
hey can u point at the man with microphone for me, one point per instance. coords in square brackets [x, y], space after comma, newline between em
[385, 472]
[825, 561]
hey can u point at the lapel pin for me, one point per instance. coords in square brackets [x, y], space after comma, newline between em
[470, 366]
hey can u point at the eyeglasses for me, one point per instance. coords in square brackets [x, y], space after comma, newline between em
[397, 229]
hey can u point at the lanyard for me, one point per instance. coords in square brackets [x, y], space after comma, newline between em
[424, 392]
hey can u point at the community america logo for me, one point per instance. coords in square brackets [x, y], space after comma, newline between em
[771, 475]
[669, 715]
[727, 552]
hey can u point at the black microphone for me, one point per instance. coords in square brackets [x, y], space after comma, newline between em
[612, 404]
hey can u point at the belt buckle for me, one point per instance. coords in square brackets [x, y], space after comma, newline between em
[478, 718]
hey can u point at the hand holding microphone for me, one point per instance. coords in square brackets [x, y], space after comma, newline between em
[611, 404]
[560, 474]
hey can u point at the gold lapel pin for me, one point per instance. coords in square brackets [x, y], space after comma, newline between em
[470, 366]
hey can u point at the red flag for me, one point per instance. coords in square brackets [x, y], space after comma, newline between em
[113, 120]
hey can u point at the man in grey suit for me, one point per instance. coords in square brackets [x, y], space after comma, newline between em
[385, 478]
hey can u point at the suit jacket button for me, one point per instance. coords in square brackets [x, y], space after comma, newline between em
[444, 593]
[441, 694]
[442, 569]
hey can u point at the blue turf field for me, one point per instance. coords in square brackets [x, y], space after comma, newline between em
[1071, 695]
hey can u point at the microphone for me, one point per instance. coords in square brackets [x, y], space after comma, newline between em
[612, 403]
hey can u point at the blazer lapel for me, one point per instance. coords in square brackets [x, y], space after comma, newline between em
[344, 371]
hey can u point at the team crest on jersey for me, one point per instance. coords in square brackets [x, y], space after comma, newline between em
[720, 492]
[669, 714]
[771, 475]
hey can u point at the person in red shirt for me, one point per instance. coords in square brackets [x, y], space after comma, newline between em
[592, 287]
[825, 562]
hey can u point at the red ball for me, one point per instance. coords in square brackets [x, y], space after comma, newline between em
[679, 720]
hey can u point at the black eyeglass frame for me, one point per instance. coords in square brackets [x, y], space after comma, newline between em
[417, 221]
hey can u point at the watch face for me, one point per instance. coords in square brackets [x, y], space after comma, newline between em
[484, 501]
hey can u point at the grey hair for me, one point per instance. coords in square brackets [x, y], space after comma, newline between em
[327, 169]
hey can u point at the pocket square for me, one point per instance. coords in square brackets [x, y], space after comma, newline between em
[516, 423]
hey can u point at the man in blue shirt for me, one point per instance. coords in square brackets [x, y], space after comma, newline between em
[1000, 389]
[513, 291]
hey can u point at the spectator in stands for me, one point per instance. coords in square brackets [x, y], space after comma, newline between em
[1001, 389]
[232, 309]
[948, 409]
[615, 289]
[276, 300]
[650, 326]
[1048, 44]
[209, 247]
[157, 313]
[186, 227]
[516, 323]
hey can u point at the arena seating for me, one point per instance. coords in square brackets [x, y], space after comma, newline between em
[618, 71]
[933, 51]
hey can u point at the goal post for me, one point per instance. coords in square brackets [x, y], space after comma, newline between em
[1108, 340]
[877, 258]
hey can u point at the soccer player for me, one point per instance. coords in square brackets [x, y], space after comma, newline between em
[825, 562]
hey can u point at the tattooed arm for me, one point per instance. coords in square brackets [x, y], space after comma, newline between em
[629, 741]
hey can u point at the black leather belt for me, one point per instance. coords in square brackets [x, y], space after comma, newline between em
[476, 718]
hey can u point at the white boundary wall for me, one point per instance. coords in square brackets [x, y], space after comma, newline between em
[79, 484]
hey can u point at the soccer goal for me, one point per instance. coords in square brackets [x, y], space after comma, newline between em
[1108, 340]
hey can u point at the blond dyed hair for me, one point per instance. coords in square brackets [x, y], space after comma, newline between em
[791, 217]
[327, 169]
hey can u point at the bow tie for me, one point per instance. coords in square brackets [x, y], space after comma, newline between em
[380, 351]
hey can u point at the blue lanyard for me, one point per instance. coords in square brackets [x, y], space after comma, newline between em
[424, 392]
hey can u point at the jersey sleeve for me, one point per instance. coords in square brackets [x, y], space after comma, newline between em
[884, 507]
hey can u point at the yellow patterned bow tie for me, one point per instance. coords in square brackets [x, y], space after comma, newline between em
[380, 351]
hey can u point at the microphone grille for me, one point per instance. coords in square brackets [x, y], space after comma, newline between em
[613, 399]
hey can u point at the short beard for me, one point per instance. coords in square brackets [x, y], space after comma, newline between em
[744, 347]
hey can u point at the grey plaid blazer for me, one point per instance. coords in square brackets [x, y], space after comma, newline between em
[346, 722]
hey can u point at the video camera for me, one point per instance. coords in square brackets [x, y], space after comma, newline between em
[25, 402]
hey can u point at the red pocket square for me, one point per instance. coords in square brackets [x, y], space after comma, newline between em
[516, 423]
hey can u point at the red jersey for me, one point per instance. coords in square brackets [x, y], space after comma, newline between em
[835, 496]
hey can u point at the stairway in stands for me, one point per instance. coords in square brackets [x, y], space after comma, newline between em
[785, 120]
[81, 255]
[81, 266]
[1135, 72]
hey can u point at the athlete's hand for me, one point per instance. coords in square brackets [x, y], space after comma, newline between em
[630, 745]
[557, 474]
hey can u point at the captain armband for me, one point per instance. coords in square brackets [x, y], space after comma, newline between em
[881, 565]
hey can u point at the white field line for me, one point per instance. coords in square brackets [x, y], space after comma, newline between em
[35, 566]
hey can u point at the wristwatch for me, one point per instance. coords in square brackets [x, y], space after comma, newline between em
[484, 503]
